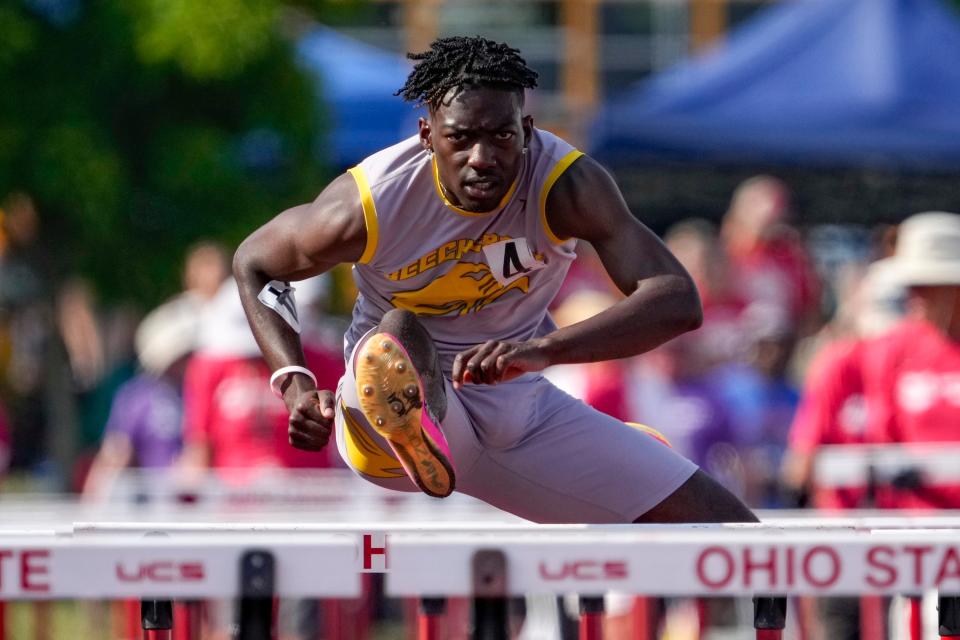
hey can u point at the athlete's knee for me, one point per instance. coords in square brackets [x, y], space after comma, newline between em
[406, 328]
[398, 319]
[699, 499]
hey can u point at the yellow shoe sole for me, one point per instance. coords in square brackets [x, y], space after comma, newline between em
[391, 398]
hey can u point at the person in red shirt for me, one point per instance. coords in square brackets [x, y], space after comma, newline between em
[767, 254]
[911, 375]
[832, 409]
[231, 418]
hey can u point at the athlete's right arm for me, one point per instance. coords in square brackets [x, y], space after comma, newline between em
[299, 243]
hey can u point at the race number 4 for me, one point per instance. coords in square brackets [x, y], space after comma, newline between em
[511, 259]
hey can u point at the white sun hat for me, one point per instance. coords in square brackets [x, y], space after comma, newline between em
[224, 331]
[882, 298]
[167, 334]
[928, 249]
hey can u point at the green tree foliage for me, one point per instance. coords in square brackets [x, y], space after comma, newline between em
[144, 125]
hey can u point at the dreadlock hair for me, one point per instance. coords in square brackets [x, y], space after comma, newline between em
[459, 62]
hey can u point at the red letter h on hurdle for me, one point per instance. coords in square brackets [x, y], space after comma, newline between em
[374, 544]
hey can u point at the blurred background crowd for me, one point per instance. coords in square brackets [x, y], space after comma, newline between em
[777, 146]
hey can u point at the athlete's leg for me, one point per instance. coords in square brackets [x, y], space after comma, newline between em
[699, 499]
[393, 396]
[417, 342]
[551, 458]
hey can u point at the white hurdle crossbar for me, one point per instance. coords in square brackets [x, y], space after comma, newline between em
[196, 560]
[190, 561]
[851, 466]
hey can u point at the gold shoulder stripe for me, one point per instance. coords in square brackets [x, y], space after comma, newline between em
[369, 213]
[555, 173]
[651, 431]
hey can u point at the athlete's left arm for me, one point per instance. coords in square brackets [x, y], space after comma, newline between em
[661, 299]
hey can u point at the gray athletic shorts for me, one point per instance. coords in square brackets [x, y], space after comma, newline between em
[528, 448]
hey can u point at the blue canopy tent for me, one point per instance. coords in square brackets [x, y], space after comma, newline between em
[357, 81]
[806, 82]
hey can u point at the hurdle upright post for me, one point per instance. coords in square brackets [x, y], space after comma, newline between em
[428, 619]
[948, 616]
[591, 617]
[257, 590]
[186, 620]
[156, 618]
[769, 617]
[490, 619]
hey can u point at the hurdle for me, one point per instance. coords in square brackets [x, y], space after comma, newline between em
[902, 467]
[882, 472]
[195, 561]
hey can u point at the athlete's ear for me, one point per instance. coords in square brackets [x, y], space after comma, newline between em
[527, 130]
[426, 138]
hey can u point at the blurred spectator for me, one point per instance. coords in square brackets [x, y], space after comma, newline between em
[602, 385]
[232, 420]
[144, 428]
[696, 245]
[767, 254]
[911, 373]
[80, 332]
[26, 329]
[205, 268]
[5, 452]
[760, 399]
[833, 408]
[586, 273]
[675, 392]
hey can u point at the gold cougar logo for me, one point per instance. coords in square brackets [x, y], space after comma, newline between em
[466, 288]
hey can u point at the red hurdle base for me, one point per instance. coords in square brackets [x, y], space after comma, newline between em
[769, 634]
[429, 615]
[916, 618]
[187, 619]
[591, 617]
[591, 626]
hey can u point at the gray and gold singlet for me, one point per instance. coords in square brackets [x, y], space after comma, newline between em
[469, 277]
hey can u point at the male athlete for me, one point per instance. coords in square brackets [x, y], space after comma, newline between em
[460, 236]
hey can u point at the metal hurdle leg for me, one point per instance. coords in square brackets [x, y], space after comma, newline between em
[591, 617]
[948, 608]
[257, 588]
[156, 618]
[428, 618]
[769, 617]
[915, 631]
[873, 615]
[644, 618]
[186, 620]
[490, 619]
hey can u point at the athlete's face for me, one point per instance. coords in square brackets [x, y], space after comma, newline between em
[478, 139]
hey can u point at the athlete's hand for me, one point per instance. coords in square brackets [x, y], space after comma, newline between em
[311, 418]
[498, 361]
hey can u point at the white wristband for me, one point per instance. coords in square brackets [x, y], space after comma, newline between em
[280, 375]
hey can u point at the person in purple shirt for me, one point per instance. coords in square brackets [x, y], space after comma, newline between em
[144, 427]
[673, 388]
